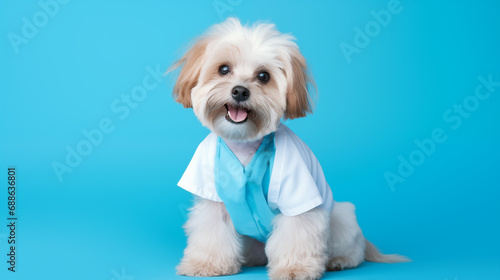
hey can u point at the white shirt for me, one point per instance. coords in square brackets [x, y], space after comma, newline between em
[297, 182]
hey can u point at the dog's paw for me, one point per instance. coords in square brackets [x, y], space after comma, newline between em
[206, 268]
[340, 263]
[297, 272]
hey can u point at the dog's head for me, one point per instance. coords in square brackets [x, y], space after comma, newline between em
[240, 81]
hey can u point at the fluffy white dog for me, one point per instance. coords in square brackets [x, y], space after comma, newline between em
[262, 198]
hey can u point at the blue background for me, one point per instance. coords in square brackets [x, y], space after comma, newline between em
[119, 212]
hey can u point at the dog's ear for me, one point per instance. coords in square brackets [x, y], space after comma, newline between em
[190, 64]
[298, 99]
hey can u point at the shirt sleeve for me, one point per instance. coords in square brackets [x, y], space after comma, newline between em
[302, 182]
[199, 177]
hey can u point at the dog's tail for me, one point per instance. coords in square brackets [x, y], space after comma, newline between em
[372, 254]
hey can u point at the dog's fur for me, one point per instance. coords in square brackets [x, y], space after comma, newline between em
[302, 246]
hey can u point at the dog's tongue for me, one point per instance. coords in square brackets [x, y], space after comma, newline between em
[237, 114]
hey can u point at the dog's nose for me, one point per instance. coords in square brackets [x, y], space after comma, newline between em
[240, 93]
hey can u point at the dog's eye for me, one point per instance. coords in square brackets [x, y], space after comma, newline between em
[224, 70]
[263, 77]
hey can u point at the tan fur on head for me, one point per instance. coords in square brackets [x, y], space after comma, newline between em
[190, 72]
[298, 100]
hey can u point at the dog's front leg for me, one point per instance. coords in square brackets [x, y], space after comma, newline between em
[214, 247]
[297, 247]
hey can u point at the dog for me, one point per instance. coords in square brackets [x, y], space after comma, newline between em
[261, 195]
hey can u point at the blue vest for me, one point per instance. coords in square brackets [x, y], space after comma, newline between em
[244, 189]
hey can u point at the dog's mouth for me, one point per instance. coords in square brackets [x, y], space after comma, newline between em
[236, 114]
